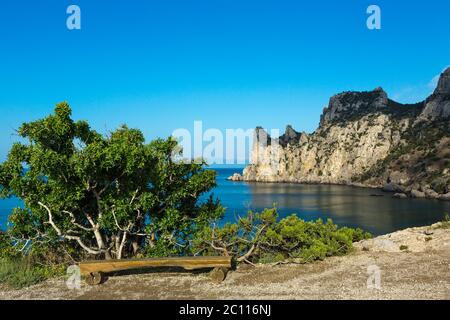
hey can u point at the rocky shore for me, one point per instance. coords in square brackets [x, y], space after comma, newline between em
[366, 139]
[417, 192]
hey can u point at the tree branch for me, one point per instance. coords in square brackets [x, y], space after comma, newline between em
[65, 236]
[75, 223]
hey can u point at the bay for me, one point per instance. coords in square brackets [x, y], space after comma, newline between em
[345, 205]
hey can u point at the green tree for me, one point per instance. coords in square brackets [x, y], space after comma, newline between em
[111, 196]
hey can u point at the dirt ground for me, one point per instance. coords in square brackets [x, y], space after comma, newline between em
[420, 271]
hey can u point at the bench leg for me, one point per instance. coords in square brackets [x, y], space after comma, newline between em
[95, 278]
[218, 275]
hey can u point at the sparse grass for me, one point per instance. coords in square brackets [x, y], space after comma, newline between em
[445, 224]
[403, 247]
[20, 272]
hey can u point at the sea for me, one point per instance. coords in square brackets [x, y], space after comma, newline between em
[369, 209]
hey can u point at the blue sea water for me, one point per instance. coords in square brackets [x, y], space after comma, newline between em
[347, 206]
[6, 207]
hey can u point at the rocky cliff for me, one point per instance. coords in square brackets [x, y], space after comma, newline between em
[366, 139]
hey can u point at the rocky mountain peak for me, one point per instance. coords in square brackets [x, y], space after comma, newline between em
[437, 106]
[443, 86]
[290, 131]
[261, 136]
[289, 136]
[352, 103]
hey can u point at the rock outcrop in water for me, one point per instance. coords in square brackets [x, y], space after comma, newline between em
[235, 177]
[366, 139]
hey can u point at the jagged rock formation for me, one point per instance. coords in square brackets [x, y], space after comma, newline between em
[366, 139]
[438, 104]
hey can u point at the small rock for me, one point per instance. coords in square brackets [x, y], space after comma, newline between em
[400, 196]
[430, 193]
[392, 187]
[445, 197]
[417, 194]
[385, 245]
[236, 177]
[428, 232]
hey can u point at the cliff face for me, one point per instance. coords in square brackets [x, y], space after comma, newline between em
[364, 138]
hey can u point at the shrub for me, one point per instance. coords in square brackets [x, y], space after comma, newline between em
[260, 238]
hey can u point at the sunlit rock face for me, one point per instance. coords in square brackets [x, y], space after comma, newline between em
[444, 83]
[364, 138]
[437, 106]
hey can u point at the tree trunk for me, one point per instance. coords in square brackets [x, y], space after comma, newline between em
[135, 246]
[101, 243]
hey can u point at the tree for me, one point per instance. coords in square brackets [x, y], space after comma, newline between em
[110, 196]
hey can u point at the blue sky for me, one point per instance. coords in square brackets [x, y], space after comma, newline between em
[159, 65]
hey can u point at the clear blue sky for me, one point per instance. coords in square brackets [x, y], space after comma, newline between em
[161, 64]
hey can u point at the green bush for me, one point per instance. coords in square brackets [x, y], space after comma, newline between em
[260, 238]
[309, 241]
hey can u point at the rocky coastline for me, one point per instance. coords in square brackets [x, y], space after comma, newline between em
[366, 140]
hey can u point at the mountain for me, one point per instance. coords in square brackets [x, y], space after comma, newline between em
[366, 139]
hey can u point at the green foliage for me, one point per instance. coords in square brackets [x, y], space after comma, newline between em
[309, 241]
[103, 196]
[6, 247]
[260, 238]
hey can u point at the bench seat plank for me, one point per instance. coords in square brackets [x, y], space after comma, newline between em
[188, 263]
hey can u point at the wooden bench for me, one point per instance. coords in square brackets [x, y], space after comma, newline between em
[94, 271]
